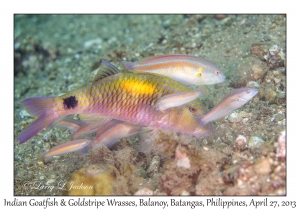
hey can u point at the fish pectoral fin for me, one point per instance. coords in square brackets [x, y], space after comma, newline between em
[203, 90]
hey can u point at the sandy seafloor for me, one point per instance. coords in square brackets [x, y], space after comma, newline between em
[54, 54]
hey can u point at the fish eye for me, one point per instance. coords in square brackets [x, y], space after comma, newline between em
[217, 72]
[192, 109]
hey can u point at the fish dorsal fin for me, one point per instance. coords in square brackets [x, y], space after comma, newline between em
[104, 70]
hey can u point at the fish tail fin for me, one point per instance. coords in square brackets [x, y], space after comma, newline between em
[128, 65]
[38, 107]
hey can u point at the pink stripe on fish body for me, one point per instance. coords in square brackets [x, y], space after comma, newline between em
[187, 69]
[67, 147]
[69, 123]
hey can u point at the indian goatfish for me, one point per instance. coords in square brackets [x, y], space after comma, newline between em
[123, 96]
[233, 100]
[186, 69]
[70, 146]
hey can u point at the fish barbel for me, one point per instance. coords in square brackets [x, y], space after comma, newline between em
[123, 96]
[186, 69]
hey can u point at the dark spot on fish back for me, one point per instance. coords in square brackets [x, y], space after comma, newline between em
[70, 102]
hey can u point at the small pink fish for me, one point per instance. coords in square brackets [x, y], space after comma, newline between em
[186, 69]
[114, 130]
[67, 147]
[233, 100]
[69, 123]
[90, 124]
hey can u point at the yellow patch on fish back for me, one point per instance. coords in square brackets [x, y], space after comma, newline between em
[137, 87]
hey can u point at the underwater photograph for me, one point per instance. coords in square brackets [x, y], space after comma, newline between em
[156, 104]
